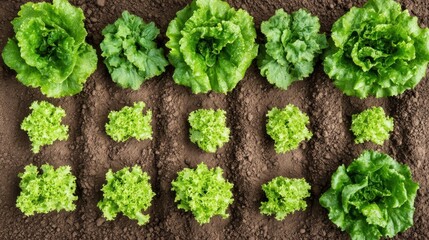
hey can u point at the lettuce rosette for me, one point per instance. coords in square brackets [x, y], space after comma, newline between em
[49, 49]
[211, 46]
[377, 50]
[371, 198]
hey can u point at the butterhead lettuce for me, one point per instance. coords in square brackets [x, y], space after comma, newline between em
[49, 49]
[371, 198]
[211, 46]
[377, 50]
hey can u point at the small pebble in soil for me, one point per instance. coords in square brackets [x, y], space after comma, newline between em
[101, 3]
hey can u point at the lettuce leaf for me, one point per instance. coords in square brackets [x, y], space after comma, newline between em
[211, 46]
[371, 198]
[285, 196]
[130, 122]
[372, 125]
[130, 52]
[293, 43]
[203, 191]
[51, 190]
[127, 191]
[43, 125]
[49, 50]
[377, 50]
[287, 127]
[208, 129]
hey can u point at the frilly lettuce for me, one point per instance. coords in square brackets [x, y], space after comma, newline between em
[287, 127]
[49, 50]
[285, 196]
[51, 190]
[208, 129]
[43, 125]
[372, 125]
[371, 198]
[211, 46]
[130, 122]
[293, 43]
[377, 50]
[203, 191]
[127, 191]
[130, 52]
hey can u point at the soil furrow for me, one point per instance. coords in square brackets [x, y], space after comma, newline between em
[329, 149]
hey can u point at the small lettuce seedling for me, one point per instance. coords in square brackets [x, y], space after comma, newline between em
[208, 129]
[287, 127]
[43, 125]
[130, 122]
[211, 46]
[372, 125]
[49, 49]
[127, 191]
[371, 198]
[293, 43]
[51, 190]
[130, 52]
[203, 191]
[285, 196]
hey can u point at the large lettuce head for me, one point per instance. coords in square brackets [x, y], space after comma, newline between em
[377, 50]
[211, 46]
[371, 198]
[130, 52]
[49, 50]
[293, 43]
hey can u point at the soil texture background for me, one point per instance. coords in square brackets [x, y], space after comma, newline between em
[248, 159]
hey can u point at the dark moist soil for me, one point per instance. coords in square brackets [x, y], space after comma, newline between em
[248, 159]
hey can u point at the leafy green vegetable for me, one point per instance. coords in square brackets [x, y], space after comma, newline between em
[284, 196]
[287, 127]
[208, 129]
[130, 122]
[293, 43]
[49, 50]
[372, 125]
[43, 125]
[371, 198]
[204, 192]
[130, 52]
[212, 45]
[377, 50]
[127, 191]
[48, 191]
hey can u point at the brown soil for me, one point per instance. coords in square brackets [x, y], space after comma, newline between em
[248, 159]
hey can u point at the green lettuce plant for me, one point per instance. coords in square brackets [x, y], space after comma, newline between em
[130, 122]
[43, 125]
[377, 50]
[372, 125]
[208, 129]
[371, 198]
[127, 191]
[49, 49]
[211, 46]
[293, 43]
[287, 127]
[53, 189]
[284, 196]
[203, 191]
[130, 52]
